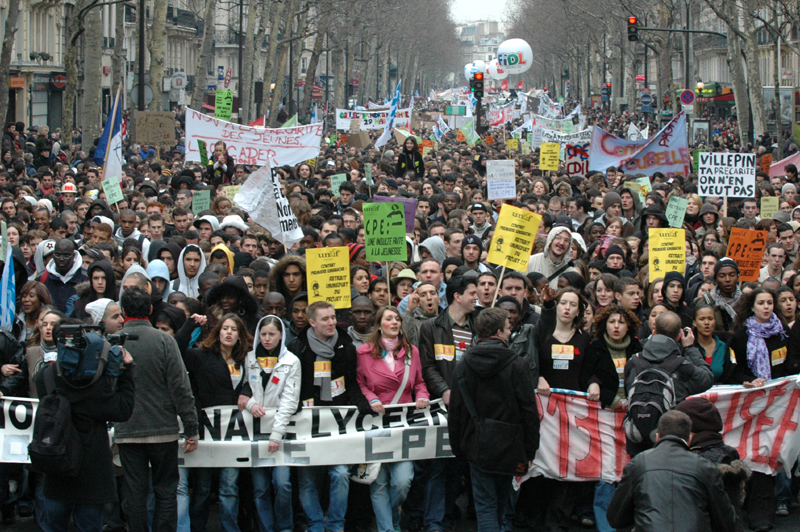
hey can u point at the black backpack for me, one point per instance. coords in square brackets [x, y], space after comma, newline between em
[56, 447]
[651, 395]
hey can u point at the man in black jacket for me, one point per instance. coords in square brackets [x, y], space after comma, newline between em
[491, 386]
[670, 488]
[328, 361]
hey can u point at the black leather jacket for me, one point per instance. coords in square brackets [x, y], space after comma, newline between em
[669, 488]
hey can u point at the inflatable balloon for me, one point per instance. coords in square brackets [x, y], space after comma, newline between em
[514, 56]
[495, 71]
[475, 66]
[468, 71]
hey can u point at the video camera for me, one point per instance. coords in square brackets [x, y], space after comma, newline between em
[84, 355]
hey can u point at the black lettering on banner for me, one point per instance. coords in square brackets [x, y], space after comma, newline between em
[257, 434]
[369, 456]
[418, 441]
[360, 422]
[315, 433]
[27, 421]
[393, 419]
[343, 421]
[289, 459]
[236, 426]
[438, 414]
[443, 443]
[215, 429]
[290, 435]
[255, 457]
[417, 418]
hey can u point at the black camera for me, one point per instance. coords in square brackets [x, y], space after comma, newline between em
[83, 353]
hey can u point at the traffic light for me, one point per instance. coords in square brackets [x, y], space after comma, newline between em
[477, 85]
[633, 29]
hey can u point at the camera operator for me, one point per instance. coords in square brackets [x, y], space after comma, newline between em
[82, 497]
[150, 437]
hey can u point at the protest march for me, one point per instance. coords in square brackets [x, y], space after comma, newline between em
[451, 297]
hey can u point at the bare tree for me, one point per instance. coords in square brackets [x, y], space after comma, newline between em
[5, 54]
[204, 61]
[156, 45]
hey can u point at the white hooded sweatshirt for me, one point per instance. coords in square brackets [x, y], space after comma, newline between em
[282, 377]
[190, 287]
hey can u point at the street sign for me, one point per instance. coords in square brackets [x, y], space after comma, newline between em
[688, 109]
[647, 99]
[687, 97]
[179, 80]
[645, 91]
[647, 109]
[455, 110]
[604, 94]
[703, 99]
[227, 78]
[148, 94]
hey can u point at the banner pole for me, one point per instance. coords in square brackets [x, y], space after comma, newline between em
[499, 282]
[725, 207]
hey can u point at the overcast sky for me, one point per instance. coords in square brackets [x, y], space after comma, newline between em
[470, 10]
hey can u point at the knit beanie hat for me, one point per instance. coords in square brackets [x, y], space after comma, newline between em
[614, 250]
[610, 199]
[97, 309]
[471, 239]
[704, 415]
[725, 262]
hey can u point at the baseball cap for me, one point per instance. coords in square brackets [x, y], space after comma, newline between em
[478, 207]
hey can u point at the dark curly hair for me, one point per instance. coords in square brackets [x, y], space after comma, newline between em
[580, 319]
[602, 317]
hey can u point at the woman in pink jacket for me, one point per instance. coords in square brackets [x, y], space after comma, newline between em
[390, 372]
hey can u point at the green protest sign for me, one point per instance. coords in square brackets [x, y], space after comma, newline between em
[203, 149]
[336, 182]
[201, 201]
[696, 159]
[368, 173]
[385, 231]
[113, 191]
[223, 105]
[676, 210]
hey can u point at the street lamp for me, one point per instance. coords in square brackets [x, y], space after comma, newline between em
[700, 85]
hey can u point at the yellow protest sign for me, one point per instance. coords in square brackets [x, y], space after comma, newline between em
[769, 206]
[513, 238]
[667, 252]
[328, 276]
[548, 155]
[231, 190]
[512, 144]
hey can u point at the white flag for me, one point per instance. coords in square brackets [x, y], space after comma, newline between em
[261, 197]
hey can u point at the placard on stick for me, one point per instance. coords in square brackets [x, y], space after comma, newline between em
[201, 201]
[548, 155]
[676, 210]
[155, 128]
[746, 247]
[769, 206]
[328, 276]
[409, 209]
[223, 105]
[727, 175]
[384, 231]
[513, 238]
[112, 190]
[336, 182]
[231, 190]
[500, 181]
[667, 252]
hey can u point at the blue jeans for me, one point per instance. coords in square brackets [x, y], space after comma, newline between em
[491, 495]
[265, 479]
[510, 511]
[388, 493]
[337, 507]
[228, 499]
[603, 492]
[87, 517]
[783, 489]
[184, 524]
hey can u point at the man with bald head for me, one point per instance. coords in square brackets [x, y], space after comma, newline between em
[63, 273]
[670, 349]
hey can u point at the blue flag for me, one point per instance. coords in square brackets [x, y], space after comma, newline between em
[8, 288]
[108, 134]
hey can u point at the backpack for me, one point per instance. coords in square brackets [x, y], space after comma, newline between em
[56, 447]
[651, 395]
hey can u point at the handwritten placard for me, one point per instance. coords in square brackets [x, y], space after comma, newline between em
[336, 182]
[676, 210]
[201, 201]
[500, 180]
[113, 191]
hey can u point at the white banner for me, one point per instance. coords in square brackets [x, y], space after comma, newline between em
[261, 197]
[252, 145]
[500, 115]
[577, 158]
[578, 439]
[551, 135]
[500, 181]
[550, 123]
[731, 175]
[666, 152]
[371, 119]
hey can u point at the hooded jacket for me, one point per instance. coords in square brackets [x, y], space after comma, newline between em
[174, 250]
[87, 293]
[159, 268]
[190, 287]
[38, 256]
[681, 309]
[247, 307]
[652, 210]
[707, 208]
[62, 287]
[435, 246]
[542, 263]
[228, 253]
[693, 376]
[136, 235]
[498, 382]
[274, 380]
[135, 268]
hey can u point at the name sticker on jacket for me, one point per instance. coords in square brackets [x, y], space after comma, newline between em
[308, 402]
[267, 363]
[322, 368]
[560, 364]
[444, 352]
[337, 387]
[779, 356]
[236, 373]
[563, 352]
